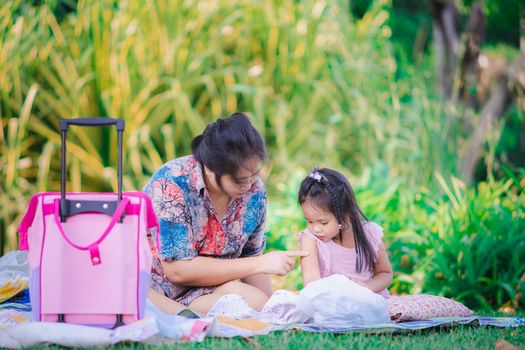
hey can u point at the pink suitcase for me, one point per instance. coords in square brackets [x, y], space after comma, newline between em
[88, 253]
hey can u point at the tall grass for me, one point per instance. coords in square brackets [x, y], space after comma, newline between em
[298, 68]
[24, 158]
[318, 84]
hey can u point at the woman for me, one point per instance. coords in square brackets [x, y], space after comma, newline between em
[211, 207]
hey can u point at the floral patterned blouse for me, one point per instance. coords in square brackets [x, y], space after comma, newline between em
[189, 225]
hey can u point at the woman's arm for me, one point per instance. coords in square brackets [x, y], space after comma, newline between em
[309, 264]
[206, 271]
[382, 272]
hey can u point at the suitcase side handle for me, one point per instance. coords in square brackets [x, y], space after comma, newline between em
[26, 222]
[93, 121]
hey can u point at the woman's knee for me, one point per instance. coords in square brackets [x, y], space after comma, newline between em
[230, 287]
[255, 297]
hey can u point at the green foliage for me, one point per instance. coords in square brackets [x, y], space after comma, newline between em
[305, 71]
[502, 20]
[509, 152]
[476, 246]
[24, 158]
[321, 86]
[411, 21]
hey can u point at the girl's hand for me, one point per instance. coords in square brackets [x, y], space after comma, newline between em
[279, 262]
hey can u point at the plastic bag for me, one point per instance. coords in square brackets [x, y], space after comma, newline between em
[177, 327]
[40, 334]
[14, 272]
[336, 301]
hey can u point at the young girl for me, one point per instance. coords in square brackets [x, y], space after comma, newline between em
[339, 237]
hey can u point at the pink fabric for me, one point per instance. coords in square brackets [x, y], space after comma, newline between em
[336, 259]
[424, 307]
[132, 209]
[89, 268]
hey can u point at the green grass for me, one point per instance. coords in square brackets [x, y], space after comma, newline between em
[456, 338]
[460, 337]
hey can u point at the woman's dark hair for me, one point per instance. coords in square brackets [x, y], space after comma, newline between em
[226, 144]
[330, 190]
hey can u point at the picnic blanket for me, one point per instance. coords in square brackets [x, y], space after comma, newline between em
[229, 317]
[19, 331]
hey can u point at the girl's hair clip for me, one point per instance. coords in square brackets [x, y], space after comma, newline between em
[317, 176]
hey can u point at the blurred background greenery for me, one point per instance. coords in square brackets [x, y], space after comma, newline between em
[354, 85]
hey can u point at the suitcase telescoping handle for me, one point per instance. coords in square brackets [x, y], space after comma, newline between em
[69, 207]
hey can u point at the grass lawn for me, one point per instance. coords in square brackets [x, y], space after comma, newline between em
[463, 337]
[459, 337]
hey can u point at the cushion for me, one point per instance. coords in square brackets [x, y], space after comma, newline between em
[424, 307]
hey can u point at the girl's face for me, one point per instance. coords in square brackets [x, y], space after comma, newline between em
[236, 186]
[322, 223]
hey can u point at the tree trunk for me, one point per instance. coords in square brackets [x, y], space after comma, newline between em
[512, 80]
[469, 70]
[445, 29]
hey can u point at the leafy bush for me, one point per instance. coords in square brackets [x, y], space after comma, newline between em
[477, 245]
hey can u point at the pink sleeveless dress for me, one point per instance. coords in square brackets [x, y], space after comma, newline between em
[336, 259]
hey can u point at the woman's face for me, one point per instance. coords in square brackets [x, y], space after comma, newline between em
[242, 182]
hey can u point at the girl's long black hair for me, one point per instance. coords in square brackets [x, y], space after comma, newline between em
[226, 144]
[330, 190]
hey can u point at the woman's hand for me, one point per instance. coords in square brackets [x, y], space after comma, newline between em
[279, 262]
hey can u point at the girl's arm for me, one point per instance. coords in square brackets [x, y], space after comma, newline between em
[382, 272]
[309, 264]
[206, 271]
